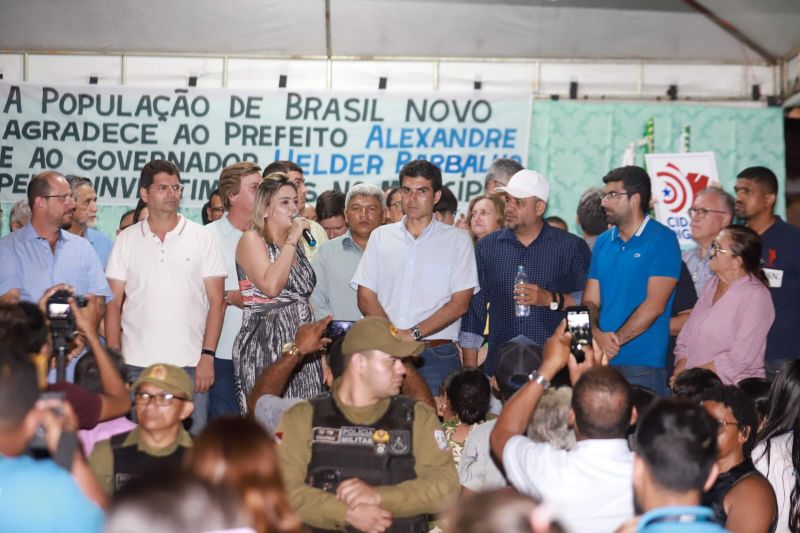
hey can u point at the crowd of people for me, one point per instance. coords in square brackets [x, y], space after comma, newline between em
[374, 362]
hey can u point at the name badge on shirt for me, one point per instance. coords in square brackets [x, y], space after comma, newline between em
[775, 277]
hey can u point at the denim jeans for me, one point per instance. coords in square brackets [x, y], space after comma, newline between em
[435, 364]
[200, 399]
[647, 376]
[222, 396]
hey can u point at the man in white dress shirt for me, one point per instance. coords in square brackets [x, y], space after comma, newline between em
[420, 274]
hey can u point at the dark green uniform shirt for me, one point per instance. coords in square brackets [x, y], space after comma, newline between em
[102, 458]
[435, 487]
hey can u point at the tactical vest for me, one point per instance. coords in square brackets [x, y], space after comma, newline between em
[378, 454]
[131, 463]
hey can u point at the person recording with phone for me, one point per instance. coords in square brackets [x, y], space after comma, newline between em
[41, 495]
[275, 280]
[600, 463]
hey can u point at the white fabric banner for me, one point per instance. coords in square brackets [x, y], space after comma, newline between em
[676, 179]
[339, 139]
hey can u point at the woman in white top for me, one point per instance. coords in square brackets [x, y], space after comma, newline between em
[777, 454]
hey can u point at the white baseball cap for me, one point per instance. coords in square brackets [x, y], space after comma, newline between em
[527, 183]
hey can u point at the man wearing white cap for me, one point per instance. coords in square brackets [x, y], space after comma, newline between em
[555, 262]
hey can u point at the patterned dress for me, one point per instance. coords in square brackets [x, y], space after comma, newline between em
[268, 324]
[456, 448]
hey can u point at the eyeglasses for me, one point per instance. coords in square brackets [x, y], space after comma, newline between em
[217, 209]
[613, 195]
[164, 188]
[163, 399]
[717, 249]
[397, 205]
[723, 425]
[702, 212]
[62, 197]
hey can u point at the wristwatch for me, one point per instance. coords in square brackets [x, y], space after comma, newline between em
[558, 301]
[540, 379]
[416, 333]
[291, 349]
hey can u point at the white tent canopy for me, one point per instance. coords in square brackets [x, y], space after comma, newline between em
[709, 48]
[586, 29]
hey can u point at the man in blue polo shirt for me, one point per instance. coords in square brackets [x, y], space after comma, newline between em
[756, 191]
[42, 254]
[635, 267]
[555, 264]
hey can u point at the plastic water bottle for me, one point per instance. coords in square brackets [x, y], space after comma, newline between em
[521, 310]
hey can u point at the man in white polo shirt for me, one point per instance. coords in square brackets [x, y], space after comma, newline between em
[171, 274]
[238, 184]
[420, 274]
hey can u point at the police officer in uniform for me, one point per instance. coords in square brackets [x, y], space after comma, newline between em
[364, 458]
[163, 398]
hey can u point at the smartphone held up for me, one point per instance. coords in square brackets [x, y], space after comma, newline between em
[579, 325]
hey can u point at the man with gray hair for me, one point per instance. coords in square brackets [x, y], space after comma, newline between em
[711, 211]
[500, 172]
[337, 260]
[19, 216]
[84, 219]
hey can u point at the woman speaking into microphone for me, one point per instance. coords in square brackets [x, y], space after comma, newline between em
[276, 280]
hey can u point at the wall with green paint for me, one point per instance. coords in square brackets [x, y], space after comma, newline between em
[574, 144]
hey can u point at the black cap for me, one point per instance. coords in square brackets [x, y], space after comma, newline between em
[516, 359]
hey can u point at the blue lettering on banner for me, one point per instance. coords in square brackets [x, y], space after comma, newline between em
[391, 138]
[680, 225]
[322, 165]
[456, 163]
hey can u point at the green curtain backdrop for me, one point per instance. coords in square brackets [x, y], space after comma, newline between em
[574, 144]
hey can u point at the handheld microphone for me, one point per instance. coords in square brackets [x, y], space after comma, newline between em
[309, 238]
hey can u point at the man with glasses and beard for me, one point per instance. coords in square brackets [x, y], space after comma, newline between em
[635, 267]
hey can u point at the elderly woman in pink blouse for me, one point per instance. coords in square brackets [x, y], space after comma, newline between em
[727, 330]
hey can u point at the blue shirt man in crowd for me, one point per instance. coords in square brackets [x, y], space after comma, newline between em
[756, 193]
[42, 254]
[555, 264]
[337, 260]
[635, 267]
[40, 495]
